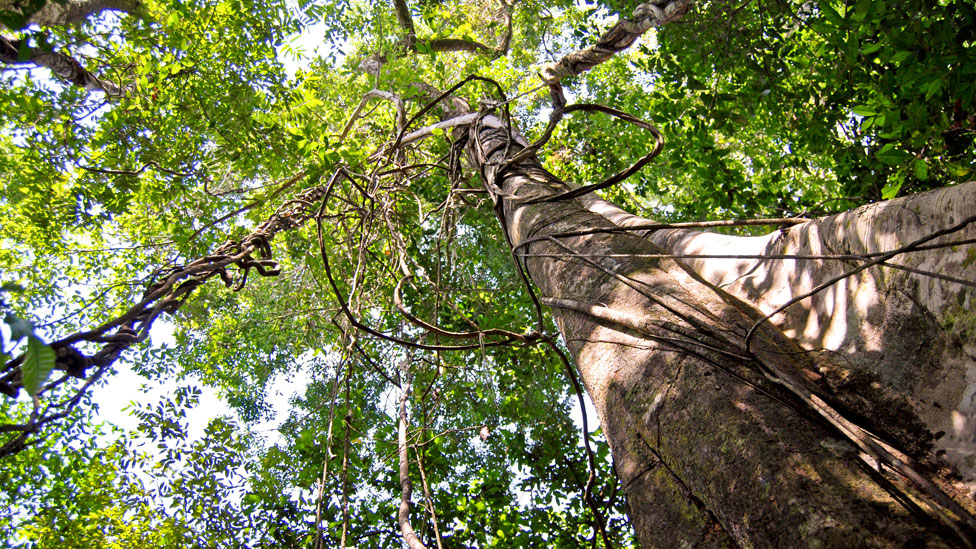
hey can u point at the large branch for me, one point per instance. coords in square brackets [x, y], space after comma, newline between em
[452, 44]
[406, 21]
[65, 66]
[620, 37]
[458, 44]
[373, 63]
[166, 294]
[71, 12]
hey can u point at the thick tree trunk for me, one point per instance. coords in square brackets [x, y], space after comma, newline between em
[716, 441]
[907, 339]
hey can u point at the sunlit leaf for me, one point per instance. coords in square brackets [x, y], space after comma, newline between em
[38, 363]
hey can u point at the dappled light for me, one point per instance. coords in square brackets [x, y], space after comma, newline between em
[746, 233]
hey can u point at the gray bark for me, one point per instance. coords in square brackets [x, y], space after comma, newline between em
[72, 12]
[620, 37]
[713, 441]
[908, 339]
[62, 65]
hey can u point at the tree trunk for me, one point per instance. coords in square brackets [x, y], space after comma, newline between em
[722, 441]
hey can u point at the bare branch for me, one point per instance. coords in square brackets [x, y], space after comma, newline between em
[376, 94]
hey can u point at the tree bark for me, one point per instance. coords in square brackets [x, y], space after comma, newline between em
[72, 12]
[713, 425]
[62, 65]
[908, 339]
[410, 537]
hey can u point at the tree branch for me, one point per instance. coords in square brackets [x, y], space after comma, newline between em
[458, 44]
[406, 487]
[64, 66]
[406, 21]
[620, 37]
[452, 44]
[72, 12]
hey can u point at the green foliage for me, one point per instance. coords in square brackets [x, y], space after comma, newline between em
[787, 108]
[38, 363]
[767, 109]
[38, 358]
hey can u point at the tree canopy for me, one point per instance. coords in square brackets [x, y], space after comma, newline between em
[145, 142]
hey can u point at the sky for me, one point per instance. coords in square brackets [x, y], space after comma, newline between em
[125, 387]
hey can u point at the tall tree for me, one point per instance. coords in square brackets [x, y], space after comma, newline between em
[806, 387]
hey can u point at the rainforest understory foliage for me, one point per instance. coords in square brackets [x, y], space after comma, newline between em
[394, 203]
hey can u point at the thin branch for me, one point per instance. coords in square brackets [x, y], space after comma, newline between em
[347, 419]
[398, 301]
[590, 456]
[150, 164]
[930, 274]
[319, 538]
[282, 188]
[406, 487]
[428, 498]
[558, 112]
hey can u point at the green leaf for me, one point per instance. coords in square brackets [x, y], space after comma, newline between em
[921, 169]
[900, 56]
[864, 110]
[24, 52]
[958, 170]
[437, 131]
[38, 363]
[861, 10]
[871, 48]
[890, 190]
[892, 155]
[830, 13]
